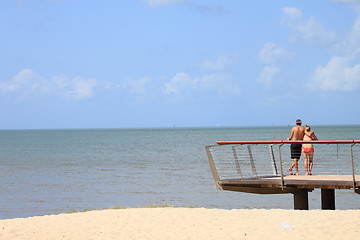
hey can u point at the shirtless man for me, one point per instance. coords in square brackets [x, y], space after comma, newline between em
[297, 134]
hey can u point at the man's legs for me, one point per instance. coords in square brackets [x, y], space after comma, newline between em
[296, 160]
[295, 149]
[295, 164]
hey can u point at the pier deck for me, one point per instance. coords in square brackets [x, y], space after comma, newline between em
[237, 168]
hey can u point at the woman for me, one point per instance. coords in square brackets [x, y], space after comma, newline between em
[308, 150]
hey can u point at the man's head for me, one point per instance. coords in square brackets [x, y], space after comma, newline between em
[298, 122]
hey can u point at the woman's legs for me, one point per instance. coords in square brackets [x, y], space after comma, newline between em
[306, 163]
[311, 157]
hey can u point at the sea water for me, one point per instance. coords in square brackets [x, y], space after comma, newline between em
[55, 171]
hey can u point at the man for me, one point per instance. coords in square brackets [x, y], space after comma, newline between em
[297, 134]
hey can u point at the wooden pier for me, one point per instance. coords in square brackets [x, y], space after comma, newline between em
[230, 173]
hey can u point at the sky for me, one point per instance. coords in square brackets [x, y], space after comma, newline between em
[183, 63]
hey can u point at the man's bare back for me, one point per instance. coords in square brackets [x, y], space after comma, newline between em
[297, 133]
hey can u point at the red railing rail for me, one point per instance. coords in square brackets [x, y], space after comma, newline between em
[288, 142]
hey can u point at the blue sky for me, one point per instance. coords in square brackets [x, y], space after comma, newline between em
[160, 63]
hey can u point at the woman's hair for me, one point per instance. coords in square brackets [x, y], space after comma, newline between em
[307, 128]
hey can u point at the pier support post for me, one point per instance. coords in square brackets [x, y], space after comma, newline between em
[301, 200]
[327, 199]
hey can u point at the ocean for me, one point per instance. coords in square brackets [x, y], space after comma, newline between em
[55, 171]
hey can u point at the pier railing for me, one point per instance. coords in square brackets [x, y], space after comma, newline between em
[255, 159]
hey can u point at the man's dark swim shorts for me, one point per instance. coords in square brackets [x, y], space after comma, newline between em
[295, 150]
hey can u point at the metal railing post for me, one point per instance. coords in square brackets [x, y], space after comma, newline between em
[338, 159]
[253, 168]
[213, 167]
[353, 164]
[281, 167]
[237, 163]
[275, 171]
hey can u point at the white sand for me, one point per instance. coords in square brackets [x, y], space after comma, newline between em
[187, 223]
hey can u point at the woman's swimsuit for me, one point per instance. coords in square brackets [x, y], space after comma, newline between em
[308, 150]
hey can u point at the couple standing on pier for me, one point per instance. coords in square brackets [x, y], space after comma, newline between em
[299, 133]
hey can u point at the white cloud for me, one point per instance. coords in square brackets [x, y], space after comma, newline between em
[26, 84]
[183, 83]
[82, 88]
[137, 87]
[272, 53]
[342, 72]
[179, 83]
[337, 75]
[267, 75]
[351, 43]
[77, 88]
[309, 29]
[220, 63]
[292, 13]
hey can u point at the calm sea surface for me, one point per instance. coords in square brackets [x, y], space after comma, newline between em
[54, 171]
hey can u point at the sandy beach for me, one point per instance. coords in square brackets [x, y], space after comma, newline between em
[186, 223]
